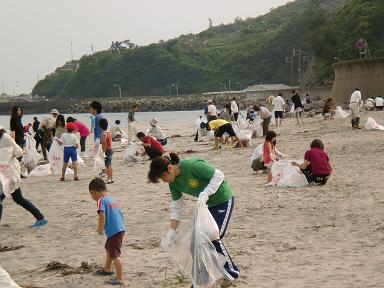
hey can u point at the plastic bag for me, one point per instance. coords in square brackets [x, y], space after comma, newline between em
[31, 156]
[131, 153]
[258, 153]
[6, 280]
[124, 141]
[194, 253]
[99, 162]
[242, 122]
[242, 134]
[284, 174]
[256, 128]
[9, 175]
[340, 113]
[56, 157]
[371, 124]
[41, 170]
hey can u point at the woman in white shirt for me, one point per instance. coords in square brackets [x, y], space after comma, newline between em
[265, 115]
[156, 132]
[7, 142]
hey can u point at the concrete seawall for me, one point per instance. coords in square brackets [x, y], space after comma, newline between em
[366, 74]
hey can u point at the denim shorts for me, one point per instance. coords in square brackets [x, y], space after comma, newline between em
[108, 157]
[70, 152]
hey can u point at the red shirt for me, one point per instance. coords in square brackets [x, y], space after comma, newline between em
[107, 136]
[154, 143]
[267, 153]
[318, 160]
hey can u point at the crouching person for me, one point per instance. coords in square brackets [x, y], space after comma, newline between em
[153, 148]
[317, 167]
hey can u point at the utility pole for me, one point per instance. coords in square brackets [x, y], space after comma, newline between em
[2, 84]
[229, 86]
[289, 60]
[71, 51]
[92, 48]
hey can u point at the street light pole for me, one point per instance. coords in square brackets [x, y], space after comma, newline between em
[119, 87]
[225, 86]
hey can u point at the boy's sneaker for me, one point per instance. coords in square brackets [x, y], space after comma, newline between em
[39, 223]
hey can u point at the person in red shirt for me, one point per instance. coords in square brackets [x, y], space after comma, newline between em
[106, 144]
[27, 127]
[317, 167]
[152, 147]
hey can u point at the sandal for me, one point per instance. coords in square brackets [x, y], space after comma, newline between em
[109, 182]
[116, 282]
[75, 178]
[62, 179]
[102, 272]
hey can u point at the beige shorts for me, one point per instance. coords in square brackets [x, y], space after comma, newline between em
[355, 110]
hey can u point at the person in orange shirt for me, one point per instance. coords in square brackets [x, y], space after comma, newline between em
[106, 144]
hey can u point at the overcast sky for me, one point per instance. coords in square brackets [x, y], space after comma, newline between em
[35, 35]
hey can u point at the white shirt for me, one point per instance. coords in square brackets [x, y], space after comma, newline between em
[157, 133]
[278, 103]
[234, 107]
[264, 113]
[115, 130]
[355, 97]
[6, 141]
[379, 101]
[69, 139]
[212, 111]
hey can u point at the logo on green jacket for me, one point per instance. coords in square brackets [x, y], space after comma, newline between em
[193, 183]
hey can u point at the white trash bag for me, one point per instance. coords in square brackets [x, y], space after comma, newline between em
[258, 153]
[99, 162]
[31, 156]
[56, 157]
[194, 253]
[6, 280]
[242, 121]
[371, 124]
[256, 128]
[242, 134]
[340, 113]
[9, 175]
[133, 153]
[41, 170]
[284, 174]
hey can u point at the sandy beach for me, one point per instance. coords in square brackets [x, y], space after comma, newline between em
[330, 236]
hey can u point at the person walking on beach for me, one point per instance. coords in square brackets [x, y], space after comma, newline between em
[95, 109]
[70, 142]
[111, 221]
[298, 106]
[16, 126]
[84, 132]
[48, 124]
[203, 181]
[35, 129]
[234, 109]
[265, 115]
[132, 131]
[279, 108]
[354, 105]
[8, 145]
[106, 143]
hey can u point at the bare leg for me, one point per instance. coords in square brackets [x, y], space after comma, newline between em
[119, 268]
[109, 173]
[269, 176]
[108, 263]
[240, 143]
[217, 142]
[65, 165]
[74, 166]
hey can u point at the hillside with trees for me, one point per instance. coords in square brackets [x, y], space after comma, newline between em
[247, 52]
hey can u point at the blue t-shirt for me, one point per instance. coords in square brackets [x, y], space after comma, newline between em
[114, 219]
[97, 130]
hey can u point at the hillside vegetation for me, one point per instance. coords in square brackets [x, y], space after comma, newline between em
[247, 52]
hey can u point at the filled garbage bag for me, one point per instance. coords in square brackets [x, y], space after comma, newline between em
[284, 174]
[31, 157]
[99, 162]
[133, 153]
[9, 175]
[371, 124]
[256, 128]
[56, 157]
[194, 253]
[6, 280]
[41, 170]
[340, 113]
[242, 121]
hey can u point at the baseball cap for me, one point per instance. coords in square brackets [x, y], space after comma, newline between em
[71, 126]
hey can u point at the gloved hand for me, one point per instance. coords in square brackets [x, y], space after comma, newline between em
[169, 240]
[203, 198]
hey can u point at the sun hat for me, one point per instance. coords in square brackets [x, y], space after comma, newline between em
[71, 126]
[54, 111]
[153, 122]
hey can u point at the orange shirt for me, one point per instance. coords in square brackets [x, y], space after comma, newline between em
[107, 140]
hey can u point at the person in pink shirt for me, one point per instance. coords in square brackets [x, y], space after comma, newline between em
[317, 167]
[269, 152]
[152, 147]
[83, 131]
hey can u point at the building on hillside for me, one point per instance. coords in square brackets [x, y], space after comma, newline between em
[69, 66]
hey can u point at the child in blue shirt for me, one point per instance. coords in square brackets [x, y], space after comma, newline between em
[111, 221]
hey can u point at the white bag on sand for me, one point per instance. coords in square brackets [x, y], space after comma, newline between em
[41, 170]
[242, 134]
[371, 124]
[31, 156]
[210, 135]
[6, 280]
[340, 113]
[9, 175]
[56, 157]
[194, 253]
[99, 162]
[256, 128]
[284, 174]
[258, 153]
[242, 122]
[130, 154]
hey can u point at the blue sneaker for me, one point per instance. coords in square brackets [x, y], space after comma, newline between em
[39, 223]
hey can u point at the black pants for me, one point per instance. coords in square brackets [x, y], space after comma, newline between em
[82, 143]
[235, 116]
[266, 123]
[17, 196]
[152, 153]
[317, 178]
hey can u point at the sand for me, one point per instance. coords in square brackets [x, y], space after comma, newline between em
[330, 236]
